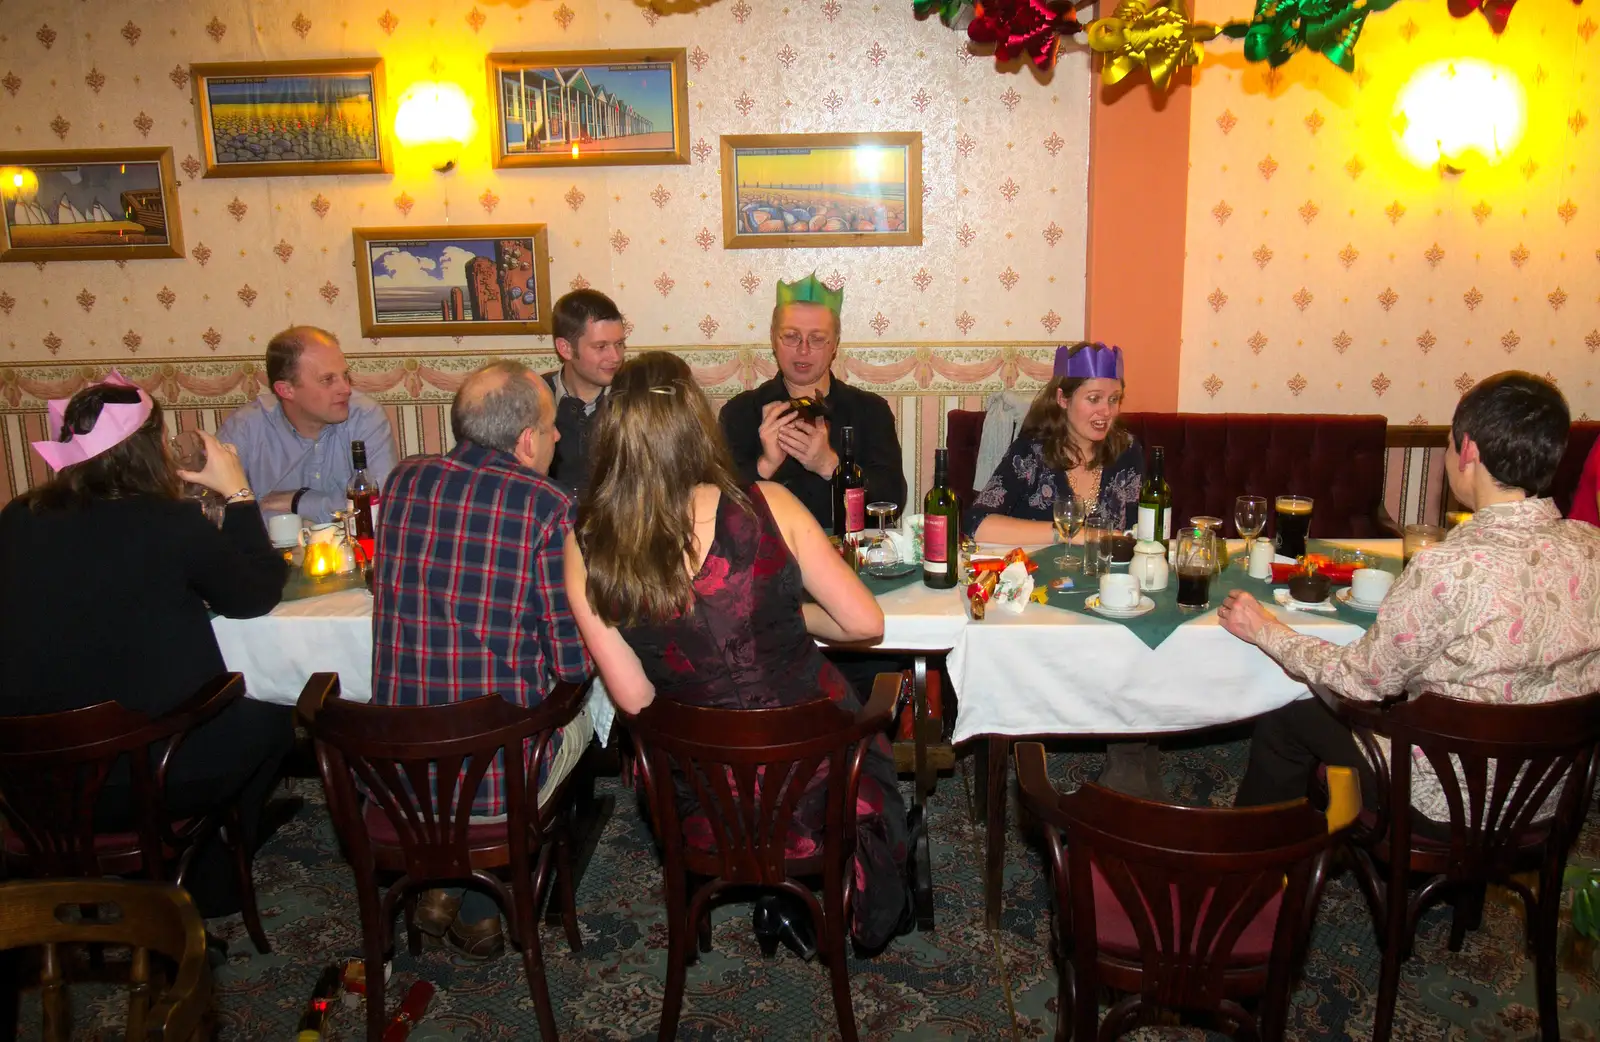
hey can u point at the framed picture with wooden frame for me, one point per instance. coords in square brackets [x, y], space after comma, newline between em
[590, 108]
[780, 191]
[453, 280]
[292, 118]
[89, 204]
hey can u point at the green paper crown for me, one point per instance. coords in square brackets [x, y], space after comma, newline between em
[810, 290]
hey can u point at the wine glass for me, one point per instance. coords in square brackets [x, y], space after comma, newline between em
[882, 509]
[1069, 517]
[1250, 518]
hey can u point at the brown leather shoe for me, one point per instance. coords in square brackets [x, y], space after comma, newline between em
[436, 910]
[481, 940]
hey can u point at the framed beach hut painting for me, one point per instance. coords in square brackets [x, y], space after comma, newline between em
[282, 119]
[89, 204]
[788, 190]
[590, 108]
[453, 280]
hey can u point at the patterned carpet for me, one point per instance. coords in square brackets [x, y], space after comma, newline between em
[961, 981]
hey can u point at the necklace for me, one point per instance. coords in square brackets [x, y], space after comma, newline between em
[1085, 483]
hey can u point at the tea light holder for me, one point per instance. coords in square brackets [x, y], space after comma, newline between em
[322, 560]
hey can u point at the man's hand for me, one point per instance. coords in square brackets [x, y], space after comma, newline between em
[775, 418]
[1244, 617]
[808, 444]
[278, 502]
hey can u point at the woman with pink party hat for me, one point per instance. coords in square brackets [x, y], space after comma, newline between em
[106, 576]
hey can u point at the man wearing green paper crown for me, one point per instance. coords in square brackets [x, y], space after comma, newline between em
[772, 440]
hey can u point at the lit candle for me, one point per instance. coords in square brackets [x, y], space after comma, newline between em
[322, 560]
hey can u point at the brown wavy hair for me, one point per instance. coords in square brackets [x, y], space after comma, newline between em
[656, 440]
[139, 465]
[1047, 421]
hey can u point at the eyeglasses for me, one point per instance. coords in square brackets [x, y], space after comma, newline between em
[792, 339]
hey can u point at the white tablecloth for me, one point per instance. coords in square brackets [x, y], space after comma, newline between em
[1049, 671]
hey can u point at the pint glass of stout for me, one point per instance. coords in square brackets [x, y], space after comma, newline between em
[1197, 563]
[1293, 525]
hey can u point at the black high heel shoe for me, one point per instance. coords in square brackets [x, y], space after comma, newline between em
[773, 923]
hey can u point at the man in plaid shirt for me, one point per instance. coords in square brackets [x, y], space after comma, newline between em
[469, 595]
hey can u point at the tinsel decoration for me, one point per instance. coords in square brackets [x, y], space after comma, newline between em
[1496, 11]
[1031, 27]
[1160, 38]
[1331, 28]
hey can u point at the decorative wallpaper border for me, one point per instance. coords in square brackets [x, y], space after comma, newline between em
[411, 378]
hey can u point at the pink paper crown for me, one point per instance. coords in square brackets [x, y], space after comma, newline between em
[1093, 362]
[116, 422]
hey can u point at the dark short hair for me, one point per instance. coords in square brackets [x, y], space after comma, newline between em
[572, 314]
[285, 348]
[496, 416]
[1520, 424]
[136, 466]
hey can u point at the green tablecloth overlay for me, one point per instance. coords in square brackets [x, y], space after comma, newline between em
[879, 587]
[1156, 626]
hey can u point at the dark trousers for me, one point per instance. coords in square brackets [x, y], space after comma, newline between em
[237, 755]
[1286, 747]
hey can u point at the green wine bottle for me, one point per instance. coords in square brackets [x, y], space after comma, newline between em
[1155, 500]
[941, 527]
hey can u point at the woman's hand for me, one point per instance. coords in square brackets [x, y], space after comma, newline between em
[223, 473]
[1244, 617]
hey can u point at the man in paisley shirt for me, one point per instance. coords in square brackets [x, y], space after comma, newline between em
[1505, 611]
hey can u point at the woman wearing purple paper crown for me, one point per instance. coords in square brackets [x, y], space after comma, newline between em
[106, 574]
[1070, 445]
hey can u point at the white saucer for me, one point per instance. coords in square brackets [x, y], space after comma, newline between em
[1145, 605]
[1286, 601]
[1348, 599]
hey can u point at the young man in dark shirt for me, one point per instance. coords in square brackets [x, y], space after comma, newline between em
[771, 441]
[591, 340]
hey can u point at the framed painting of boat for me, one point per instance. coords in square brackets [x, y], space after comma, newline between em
[590, 108]
[453, 280]
[293, 118]
[787, 190]
[89, 204]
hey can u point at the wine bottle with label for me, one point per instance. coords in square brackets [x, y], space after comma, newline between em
[849, 492]
[361, 493]
[941, 527]
[1155, 500]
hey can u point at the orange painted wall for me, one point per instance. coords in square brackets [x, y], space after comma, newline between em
[1138, 192]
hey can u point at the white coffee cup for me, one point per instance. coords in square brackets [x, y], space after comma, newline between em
[284, 530]
[1119, 591]
[1369, 585]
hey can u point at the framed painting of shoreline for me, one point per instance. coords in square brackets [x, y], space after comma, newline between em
[590, 108]
[786, 190]
[294, 118]
[89, 204]
[453, 280]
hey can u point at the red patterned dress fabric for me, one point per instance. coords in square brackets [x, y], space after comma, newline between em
[744, 646]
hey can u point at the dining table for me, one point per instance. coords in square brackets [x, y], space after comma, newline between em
[1046, 672]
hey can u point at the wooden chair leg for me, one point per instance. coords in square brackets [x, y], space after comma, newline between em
[1546, 911]
[834, 929]
[1466, 912]
[413, 935]
[679, 932]
[564, 892]
[52, 997]
[233, 835]
[1395, 949]
[372, 949]
[525, 913]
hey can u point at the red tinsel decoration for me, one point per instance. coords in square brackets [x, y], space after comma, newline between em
[1030, 27]
[1497, 11]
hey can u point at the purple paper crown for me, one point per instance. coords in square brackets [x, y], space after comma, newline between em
[1093, 362]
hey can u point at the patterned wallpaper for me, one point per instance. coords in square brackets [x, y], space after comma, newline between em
[1325, 273]
[1005, 170]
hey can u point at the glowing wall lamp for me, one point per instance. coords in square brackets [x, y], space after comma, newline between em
[1459, 113]
[435, 118]
[18, 182]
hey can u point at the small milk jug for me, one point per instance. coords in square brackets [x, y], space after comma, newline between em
[1149, 565]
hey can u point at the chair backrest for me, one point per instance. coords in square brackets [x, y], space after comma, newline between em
[1513, 759]
[1189, 879]
[1580, 440]
[54, 766]
[747, 770]
[148, 917]
[423, 765]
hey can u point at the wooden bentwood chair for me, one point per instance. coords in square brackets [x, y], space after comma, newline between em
[420, 831]
[1513, 759]
[747, 770]
[1181, 907]
[148, 917]
[54, 766]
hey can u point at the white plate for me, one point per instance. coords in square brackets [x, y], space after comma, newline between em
[1286, 601]
[1145, 605]
[1348, 599]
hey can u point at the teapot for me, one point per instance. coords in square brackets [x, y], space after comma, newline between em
[1149, 565]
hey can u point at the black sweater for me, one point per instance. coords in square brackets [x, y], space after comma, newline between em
[877, 445]
[110, 602]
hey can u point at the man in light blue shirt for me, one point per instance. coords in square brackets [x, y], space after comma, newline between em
[294, 440]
